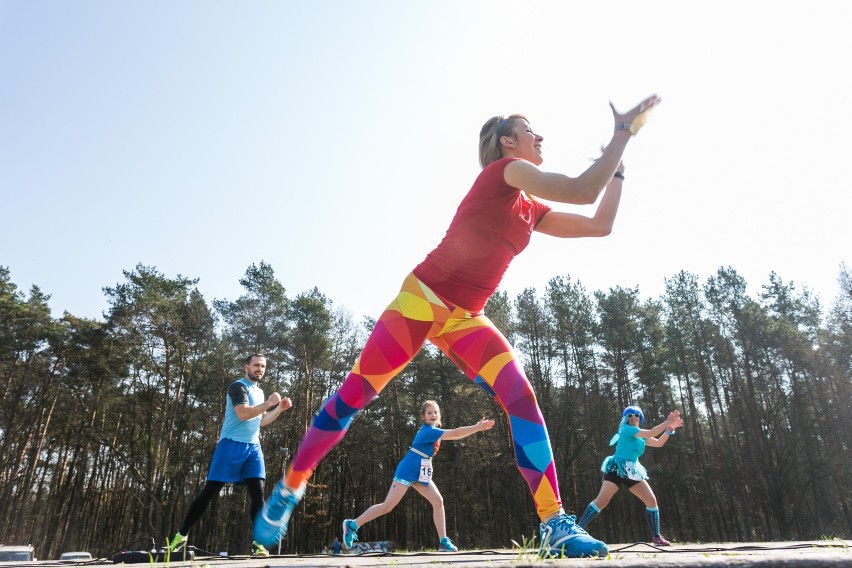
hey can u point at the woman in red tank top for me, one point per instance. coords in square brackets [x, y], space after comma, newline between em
[442, 301]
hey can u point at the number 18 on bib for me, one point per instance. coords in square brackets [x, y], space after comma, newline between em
[425, 470]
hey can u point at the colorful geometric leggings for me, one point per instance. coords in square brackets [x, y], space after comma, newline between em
[477, 347]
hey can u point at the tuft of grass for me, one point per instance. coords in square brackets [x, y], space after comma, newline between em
[843, 543]
[527, 549]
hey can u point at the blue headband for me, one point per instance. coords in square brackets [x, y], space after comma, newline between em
[500, 126]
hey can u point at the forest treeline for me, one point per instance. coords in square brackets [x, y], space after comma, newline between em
[107, 426]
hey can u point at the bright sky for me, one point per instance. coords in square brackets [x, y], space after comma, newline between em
[334, 139]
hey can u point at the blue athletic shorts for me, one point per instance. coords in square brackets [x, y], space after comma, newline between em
[234, 462]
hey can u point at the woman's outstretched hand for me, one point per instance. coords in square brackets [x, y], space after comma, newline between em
[485, 424]
[635, 118]
[674, 420]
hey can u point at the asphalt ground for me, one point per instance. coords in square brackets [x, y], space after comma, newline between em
[797, 554]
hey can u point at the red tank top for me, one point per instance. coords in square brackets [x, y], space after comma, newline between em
[492, 225]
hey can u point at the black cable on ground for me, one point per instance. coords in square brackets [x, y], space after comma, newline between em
[744, 548]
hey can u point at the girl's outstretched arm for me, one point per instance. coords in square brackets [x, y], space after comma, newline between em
[465, 431]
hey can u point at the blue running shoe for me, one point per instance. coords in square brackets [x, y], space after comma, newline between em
[350, 533]
[270, 525]
[561, 537]
[446, 545]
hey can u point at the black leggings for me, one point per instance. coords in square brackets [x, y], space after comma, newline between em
[211, 489]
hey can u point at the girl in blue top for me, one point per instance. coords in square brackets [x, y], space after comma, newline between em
[623, 467]
[415, 470]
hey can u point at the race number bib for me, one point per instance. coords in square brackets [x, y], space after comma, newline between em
[632, 472]
[425, 470]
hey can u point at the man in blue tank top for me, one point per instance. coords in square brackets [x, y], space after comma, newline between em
[238, 457]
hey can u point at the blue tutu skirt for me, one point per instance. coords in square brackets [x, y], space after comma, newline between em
[623, 468]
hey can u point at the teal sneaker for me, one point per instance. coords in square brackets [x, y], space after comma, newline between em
[350, 533]
[446, 545]
[270, 525]
[561, 537]
[179, 541]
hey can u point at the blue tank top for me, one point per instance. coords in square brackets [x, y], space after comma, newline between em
[240, 392]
